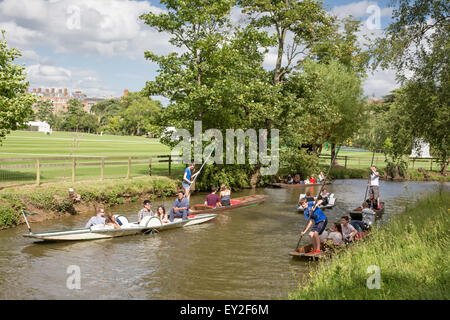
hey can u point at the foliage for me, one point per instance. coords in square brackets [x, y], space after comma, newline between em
[54, 197]
[15, 103]
[44, 112]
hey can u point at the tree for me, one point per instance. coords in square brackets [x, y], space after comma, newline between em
[417, 45]
[107, 109]
[44, 112]
[15, 103]
[140, 115]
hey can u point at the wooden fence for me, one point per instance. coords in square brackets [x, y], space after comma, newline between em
[35, 166]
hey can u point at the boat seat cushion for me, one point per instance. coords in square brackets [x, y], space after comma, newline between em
[233, 202]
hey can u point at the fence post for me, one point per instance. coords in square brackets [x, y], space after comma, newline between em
[170, 165]
[129, 167]
[413, 160]
[102, 170]
[359, 163]
[38, 172]
[345, 162]
[150, 167]
[74, 164]
[431, 164]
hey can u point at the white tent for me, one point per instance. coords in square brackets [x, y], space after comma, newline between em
[39, 126]
[420, 149]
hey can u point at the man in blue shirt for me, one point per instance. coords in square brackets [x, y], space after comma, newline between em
[180, 207]
[313, 213]
[186, 183]
[97, 219]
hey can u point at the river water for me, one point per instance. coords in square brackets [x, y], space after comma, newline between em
[242, 254]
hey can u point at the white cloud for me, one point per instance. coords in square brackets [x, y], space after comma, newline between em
[104, 27]
[380, 83]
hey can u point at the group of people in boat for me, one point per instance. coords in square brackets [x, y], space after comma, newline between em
[311, 180]
[180, 208]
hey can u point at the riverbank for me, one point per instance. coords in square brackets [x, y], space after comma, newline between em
[53, 200]
[411, 252]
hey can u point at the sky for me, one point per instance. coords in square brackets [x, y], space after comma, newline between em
[98, 46]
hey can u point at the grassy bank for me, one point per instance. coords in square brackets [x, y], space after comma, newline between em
[52, 200]
[411, 252]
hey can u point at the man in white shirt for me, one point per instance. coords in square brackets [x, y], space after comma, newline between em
[374, 186]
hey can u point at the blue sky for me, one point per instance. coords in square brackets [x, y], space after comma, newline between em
[98, 46]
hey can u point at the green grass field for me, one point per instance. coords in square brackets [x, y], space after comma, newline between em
[31, 145]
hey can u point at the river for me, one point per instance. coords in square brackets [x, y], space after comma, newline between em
[242, 254]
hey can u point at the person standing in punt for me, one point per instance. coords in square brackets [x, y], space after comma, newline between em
[145, 211]
[374, 185]
[180, 207]
[318, 218]
[225, 195]
[187, 179]
[97, 219]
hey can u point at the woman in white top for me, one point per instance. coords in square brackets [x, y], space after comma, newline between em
[336, 234]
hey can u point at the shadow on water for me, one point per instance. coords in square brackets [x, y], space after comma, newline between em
[242, 254]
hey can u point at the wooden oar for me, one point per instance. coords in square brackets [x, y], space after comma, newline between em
[368, 181]
[198, 173]
[317, 198]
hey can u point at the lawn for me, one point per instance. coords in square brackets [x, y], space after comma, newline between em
[31, 145]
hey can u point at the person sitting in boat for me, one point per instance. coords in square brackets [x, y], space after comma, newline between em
[324, 196]
[110, 222]
[313, 213]
[312, 179]
[161, 214]
[187, 179]
[145, 211]
[212, 199]
[297, 179]
[321, 176]
[336, 234]
[348, 231]
[289, 180]
[98, 219]
[180, 207]
[358, 225]
[374, 185]
[368, 215]
[371, 202]
[225, 195]
[309, 197]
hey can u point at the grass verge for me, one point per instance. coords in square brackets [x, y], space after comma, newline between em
[411, 252]
[53, 199]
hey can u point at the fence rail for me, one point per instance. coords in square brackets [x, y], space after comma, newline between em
[362, 162]
[17, 171]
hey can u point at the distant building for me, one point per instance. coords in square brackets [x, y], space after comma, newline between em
[39, 126]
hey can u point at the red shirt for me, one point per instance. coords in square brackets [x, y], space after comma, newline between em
[212, 199]
[312, 180]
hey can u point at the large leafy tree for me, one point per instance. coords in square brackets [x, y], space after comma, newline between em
[15, 103]
[44, 111]
[417, 45]
[140, 114]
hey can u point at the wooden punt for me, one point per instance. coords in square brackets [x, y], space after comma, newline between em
[101, 232]
[356, 214]
[235, 203]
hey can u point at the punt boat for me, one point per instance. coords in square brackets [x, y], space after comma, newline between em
[235, 203]
[294, 185]
[331, 202]
[356, 214]
[148, 224]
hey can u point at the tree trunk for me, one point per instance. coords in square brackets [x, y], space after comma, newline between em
[333, 153]
[281, 39]
[444, 168]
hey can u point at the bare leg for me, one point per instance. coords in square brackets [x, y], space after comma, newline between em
[316, 241]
